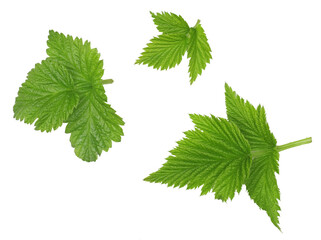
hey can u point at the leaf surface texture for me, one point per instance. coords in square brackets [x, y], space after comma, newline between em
[47, 97]
[199, 52]
[67, 87]
[215, 156]
[261, 184]
[166, 50]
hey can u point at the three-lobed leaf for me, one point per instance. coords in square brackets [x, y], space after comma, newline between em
[221, 155]
[67, 87]
[215, 156]
[166, 50]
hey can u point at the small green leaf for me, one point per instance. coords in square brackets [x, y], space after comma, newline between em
[215, 156]
[48, 96]
[166, 50]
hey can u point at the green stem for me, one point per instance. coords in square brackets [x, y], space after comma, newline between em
[294, 144]
[197, 23]
[107, 81]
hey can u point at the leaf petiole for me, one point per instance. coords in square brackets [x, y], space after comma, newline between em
[294, 144]
[260, 152]
[107, 81]
[197, 23]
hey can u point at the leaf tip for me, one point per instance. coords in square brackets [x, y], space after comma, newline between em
[197, 23]
[152, 14]
[138, 61]
[52, 32]
[227, 87]
[192, 80]
[148, 179]
[194, 117]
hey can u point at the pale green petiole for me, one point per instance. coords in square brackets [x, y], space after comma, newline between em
[294, 144]
[262, 152]
[107, 81]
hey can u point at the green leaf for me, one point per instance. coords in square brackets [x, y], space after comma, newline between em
[68, 87]
[93, 124]
[261, 184]
[220, 155]
[164, 51]
[170, 23]
[198, 51]
[215, 156]
[48, 96]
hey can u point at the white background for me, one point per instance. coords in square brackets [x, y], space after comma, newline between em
[267, 51]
